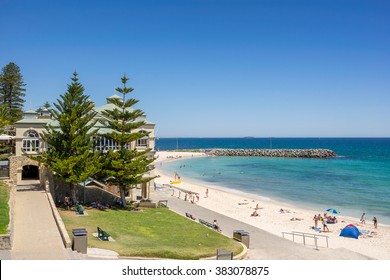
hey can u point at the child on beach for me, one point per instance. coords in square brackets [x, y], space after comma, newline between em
[375, 222]
[363, 218]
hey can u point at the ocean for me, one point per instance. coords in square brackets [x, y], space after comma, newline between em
[356, 181]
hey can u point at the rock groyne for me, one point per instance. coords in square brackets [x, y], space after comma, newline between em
[288, 153]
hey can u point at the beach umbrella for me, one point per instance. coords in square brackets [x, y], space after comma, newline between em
[333, 211]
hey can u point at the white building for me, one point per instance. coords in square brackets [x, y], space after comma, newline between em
[27, 140]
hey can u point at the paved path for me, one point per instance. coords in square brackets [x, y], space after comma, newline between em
[263, 245]
[36, 236]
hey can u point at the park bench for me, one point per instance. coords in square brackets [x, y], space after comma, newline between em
[79, 209]
[163, 203]
[188, 215]
[207, 224]
[102, 235]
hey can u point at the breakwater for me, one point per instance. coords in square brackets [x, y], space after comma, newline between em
[288, 153]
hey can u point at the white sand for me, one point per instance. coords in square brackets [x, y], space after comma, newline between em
[239, 205]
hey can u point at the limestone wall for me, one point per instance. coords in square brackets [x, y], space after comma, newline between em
[6, 240]
[16, 164]
[83, 195]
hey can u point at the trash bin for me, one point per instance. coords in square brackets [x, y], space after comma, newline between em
[245, 238]
[237, 234]
[242, 236]
[80, 240]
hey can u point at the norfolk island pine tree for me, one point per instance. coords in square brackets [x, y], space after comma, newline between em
[70, 154]
[12, 91]
[125, 167]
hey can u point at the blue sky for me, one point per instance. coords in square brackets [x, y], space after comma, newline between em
[214, 68]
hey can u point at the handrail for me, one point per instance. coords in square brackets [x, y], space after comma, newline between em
[307, 235]
[313, 234]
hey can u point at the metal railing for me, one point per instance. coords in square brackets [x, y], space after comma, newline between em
[305, 235]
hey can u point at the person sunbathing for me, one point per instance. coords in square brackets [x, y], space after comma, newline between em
[331, 220]
[296, 219]
[255, 214]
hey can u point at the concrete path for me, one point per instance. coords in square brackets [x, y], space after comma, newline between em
[263, 245]
[36, 236]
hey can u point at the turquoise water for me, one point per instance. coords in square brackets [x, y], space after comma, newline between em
[357, 181]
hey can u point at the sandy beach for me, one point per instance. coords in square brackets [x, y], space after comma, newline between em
[240, 206]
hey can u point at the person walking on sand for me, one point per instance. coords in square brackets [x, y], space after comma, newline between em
[315, 219]
[363, 218]
[207, 193]
[375, 222]
[324, 223]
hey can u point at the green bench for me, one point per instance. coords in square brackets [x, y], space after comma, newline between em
[79, 209]
[207, 224]
[102, 235]
[188, 215]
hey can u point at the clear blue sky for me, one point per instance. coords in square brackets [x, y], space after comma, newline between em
[214, 68]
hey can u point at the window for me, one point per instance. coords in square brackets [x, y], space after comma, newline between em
[104, 144]
[144, 141]
[30, 141]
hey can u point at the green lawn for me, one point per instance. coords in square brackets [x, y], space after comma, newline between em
[4, 209]
[153, 233]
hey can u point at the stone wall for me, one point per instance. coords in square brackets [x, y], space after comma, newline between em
[7, 239]
[85, 195]
[290, 153]
[16, 164]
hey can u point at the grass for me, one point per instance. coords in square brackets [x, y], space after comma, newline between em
[158, 233]
[4, 208]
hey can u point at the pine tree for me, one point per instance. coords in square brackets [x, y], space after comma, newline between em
[12, 91]
[125, 167]
[69, 154]
[46, 106]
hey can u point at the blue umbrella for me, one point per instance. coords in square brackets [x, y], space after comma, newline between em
[333, 211]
